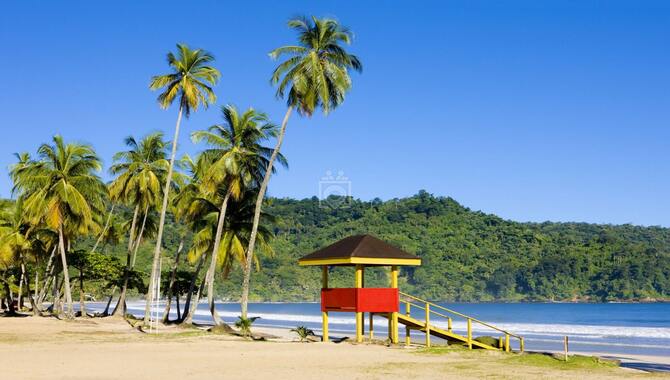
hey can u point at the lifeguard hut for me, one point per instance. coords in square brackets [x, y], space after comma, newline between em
[361, 251]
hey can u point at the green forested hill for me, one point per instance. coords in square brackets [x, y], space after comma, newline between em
[467, 255]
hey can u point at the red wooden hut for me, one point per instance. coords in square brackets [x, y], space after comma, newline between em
[361, 251]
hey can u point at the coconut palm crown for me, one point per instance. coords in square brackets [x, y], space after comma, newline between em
[316, 72]
[235, 150]
[61, 187]
[141, 171]
[190, 80]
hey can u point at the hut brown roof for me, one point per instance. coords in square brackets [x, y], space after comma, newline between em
[360, 249]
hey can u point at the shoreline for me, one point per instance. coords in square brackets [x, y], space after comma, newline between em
[614, 340]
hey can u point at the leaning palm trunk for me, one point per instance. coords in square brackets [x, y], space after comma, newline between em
[173, 276]
[120, 308]
[26, 280]
[109, 302]
[139, 237]
[187, 316]
[10, 302]
[104, 230]
[194, 305]
[49, 275]
[212, 266]
[257, 216]
[155, 273]
[55, 294]
[66, 274]
[131, 236]
[31, 298]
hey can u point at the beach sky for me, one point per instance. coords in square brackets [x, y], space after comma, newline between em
[533, 111]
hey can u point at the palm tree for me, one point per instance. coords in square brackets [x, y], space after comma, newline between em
[186, 208]
[190, 81]
[8, 255]
[62, 190]
[238, 162]
[140, 171]
[204, 213]
[15, 242]
[315, 75]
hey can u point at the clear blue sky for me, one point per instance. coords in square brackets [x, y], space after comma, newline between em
[531, 110]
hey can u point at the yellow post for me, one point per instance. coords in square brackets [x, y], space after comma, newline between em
[427, 325]
[408, 312]
[470, 333]
[389, 316]
[324, 315]
[372, 334]
[324, 319]
[521, 344]
[500, 343]
[449, 324]
[359, 315]
[506, 342]
[394, 323]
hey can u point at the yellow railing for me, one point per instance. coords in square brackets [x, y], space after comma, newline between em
[429, 308]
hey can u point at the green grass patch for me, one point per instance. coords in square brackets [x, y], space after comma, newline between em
[177, 335]
[443, 349]
[552, 361]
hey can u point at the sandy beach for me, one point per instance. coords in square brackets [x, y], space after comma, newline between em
[47, 348]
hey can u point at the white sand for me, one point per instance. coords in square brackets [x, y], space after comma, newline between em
[46, 348]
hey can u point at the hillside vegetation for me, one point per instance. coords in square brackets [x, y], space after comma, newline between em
[467, 255]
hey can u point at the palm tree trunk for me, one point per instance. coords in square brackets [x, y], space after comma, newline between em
[37, 283]
[139, 237]
[212, 266]
[66, 274]
[104, 230]
[48, 276]
[173, 276]
[82, 296]
[178, 308]
[186, 317]
[19, 303]
[55, 294]
[109, 302]
[120, 308]
[194, 305]
[131, 236]
[31, 298]
[10, 302]
[244, 302]
[161, 223]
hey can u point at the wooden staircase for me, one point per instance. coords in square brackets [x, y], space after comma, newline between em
[429, 329]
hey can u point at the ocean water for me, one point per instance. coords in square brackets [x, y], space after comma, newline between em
[613, 328]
